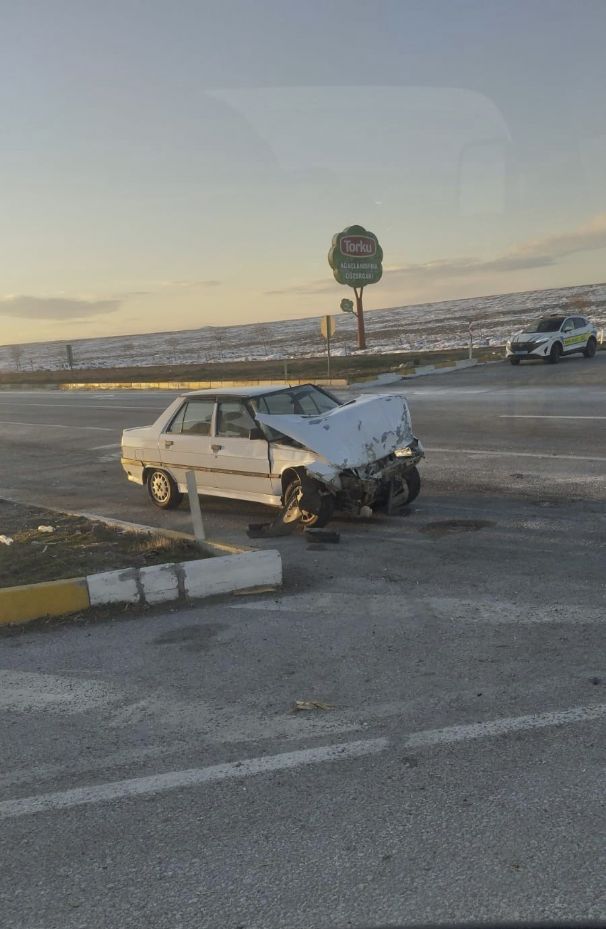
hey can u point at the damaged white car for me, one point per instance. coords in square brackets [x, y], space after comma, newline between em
[298, 448]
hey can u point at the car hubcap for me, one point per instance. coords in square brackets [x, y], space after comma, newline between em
[160, 488]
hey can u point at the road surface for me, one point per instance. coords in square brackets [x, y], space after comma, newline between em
[154, 775]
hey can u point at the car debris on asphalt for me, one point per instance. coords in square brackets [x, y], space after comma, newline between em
[305, 705]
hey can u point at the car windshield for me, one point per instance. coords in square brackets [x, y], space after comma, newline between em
[301, 401]
[547, 324]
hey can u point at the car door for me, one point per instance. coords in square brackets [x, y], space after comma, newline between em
[582, 331]
[185, 443]
[568, 335]
[241, 455]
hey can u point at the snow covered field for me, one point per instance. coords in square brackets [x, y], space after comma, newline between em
[405, 328]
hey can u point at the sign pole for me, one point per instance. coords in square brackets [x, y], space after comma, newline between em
[194, 506]
[328, 323]
[360, 314]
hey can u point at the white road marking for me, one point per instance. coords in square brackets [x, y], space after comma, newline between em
[193, 777]
[175, 780]
[495, 727]
[503, 453]
[544, 416]
[99, 448]
[490, 611]
[12, 422]
[26, 691]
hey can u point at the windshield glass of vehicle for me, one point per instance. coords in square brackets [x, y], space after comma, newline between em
[550, 324]
[303, 401]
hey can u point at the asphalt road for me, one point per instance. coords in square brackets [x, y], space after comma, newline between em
[154, 776]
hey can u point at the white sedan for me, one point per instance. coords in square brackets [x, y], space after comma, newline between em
[298, 448]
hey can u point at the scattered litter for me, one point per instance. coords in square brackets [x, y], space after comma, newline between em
[321, 535]
[46, 528]
[6, 540]
[299, 705]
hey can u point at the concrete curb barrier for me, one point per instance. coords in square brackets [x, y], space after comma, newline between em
[206, 577]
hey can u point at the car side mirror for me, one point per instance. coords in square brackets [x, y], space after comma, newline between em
[256, 433]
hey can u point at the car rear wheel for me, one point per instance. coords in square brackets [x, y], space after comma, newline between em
[162, 490]
[591, 349]
[514, 361]
[555, 354]
[294, 513]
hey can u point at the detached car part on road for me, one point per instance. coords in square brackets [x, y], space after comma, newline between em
[551, 337]
[298, 448]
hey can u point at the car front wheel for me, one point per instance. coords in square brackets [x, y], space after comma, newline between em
[293, 512]
[555, 354]
[162, 490]
[413, 480]
[514, 361]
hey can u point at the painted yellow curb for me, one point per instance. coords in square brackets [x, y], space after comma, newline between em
[32, 601]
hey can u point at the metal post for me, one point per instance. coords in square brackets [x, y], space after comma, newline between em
[360, 316]
[328, 324]
[470, 342]
[194, 506]
[285, 370]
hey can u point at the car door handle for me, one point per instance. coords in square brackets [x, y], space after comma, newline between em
[216, 448]
[168, 443]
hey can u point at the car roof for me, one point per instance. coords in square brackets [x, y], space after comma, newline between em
[239, 391]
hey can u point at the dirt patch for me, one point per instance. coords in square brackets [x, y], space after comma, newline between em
[76, 546]
[444, 527]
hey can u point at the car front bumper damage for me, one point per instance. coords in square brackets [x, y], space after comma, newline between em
[376, 485]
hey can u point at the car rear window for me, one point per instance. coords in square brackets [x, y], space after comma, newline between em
[194, 418]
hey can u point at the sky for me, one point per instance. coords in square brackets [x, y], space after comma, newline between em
[168, 165]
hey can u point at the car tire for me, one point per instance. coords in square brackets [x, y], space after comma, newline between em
[309, 520]
[591, 349]
[514, 361]
[555, 354]
[162, 490]
[413, 480]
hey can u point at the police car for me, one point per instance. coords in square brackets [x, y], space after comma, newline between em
[551, 337]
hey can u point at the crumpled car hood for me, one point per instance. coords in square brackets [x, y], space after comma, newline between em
[349, 436]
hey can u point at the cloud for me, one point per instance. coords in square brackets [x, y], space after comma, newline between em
[536, 253]
[211, 283]
[27, 307]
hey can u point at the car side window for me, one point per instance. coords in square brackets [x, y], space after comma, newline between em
[278, 404]
[194, 418]
[568, 325]
[233, 420]
[579, 322]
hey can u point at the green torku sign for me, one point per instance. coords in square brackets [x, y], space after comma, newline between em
[356, 257]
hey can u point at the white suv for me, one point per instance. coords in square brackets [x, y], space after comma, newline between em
[551, 337]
